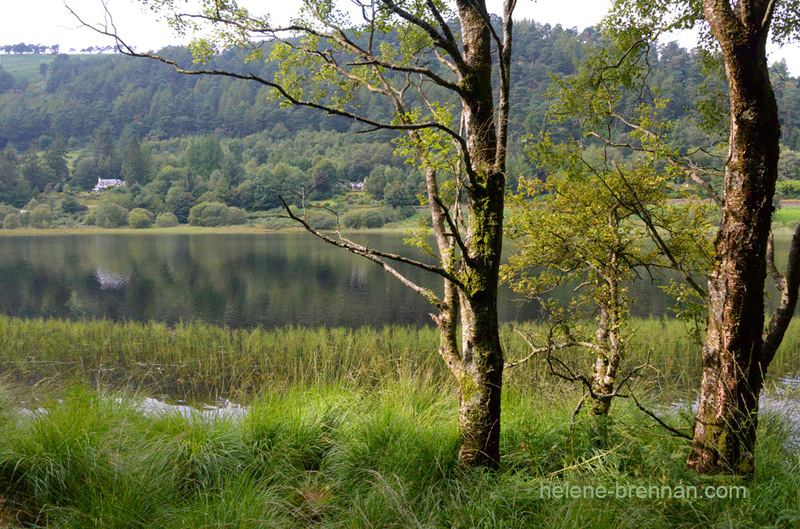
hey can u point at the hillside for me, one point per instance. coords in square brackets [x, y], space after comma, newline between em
[179, 140]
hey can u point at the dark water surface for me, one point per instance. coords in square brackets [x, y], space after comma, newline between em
[238, 280]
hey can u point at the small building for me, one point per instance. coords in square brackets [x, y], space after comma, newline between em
[356, 186]
[104, 184]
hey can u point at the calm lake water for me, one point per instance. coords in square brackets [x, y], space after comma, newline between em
[238, 280]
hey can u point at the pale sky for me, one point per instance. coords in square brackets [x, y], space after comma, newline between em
[49, 22]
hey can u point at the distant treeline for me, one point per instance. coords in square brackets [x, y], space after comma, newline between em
[22, 48]
[54, 49]
[80, 118]
[78, 93]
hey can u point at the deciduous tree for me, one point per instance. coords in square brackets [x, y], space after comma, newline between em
[737, 349]
[326, 61]
[600, 220]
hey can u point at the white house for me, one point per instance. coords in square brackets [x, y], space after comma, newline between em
[103, 184]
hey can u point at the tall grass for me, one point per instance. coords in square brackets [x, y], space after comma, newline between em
[203, 362]
[345, 428]
[199, 361]
[338, 456]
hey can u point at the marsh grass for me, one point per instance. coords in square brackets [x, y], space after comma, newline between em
[340, 456]
[344, 429]
[200, 362]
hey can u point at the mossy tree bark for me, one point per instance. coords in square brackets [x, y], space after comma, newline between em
[480, 372]
[733, 359]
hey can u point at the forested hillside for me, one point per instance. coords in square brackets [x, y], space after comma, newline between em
[68, 120]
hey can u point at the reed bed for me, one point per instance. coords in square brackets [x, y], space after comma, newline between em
[345, 428]
[200, 362]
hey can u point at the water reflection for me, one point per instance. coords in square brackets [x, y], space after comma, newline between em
[239, 280]
[110, 280]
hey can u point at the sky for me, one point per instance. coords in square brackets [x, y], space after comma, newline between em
[49, 22]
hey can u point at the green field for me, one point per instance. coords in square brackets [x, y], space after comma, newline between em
[25, 66]
[787, 215]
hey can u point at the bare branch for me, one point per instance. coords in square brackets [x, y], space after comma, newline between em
[618, 64]
[504, 101]
[658, 419]
[445, 62]
[577, 410]
[780, 281]
[441, 81]
[448, 34]
[768, 12]
[712, 193]
[377, 256]
[441, 41]
[453, 228]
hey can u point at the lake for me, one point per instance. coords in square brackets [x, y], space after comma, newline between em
[237, 280]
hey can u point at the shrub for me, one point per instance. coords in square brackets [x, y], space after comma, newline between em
[119, 195]
[399, 194]
[70, 205]
[321, 220]
[140, 218]
[166, 220]
[208, 214]
[41, 217]
[397, 214]
[11, 222]
[236, 216]
[5, 210]
[364, 218]
[788, 188]
[179, 202]
[110, 215]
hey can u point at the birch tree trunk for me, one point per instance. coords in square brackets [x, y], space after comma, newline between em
[733, 364]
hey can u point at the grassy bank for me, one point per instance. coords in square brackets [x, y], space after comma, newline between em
[337, 456]
[346, 428]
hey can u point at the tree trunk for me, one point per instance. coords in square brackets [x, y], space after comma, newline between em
[606, 367]
[609, 354]
[603, 379]
[733, 367]
[480, 386]
[481, 383]
[447, 319]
